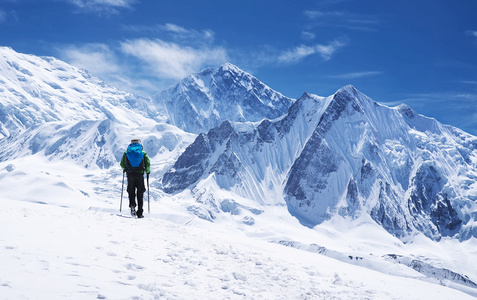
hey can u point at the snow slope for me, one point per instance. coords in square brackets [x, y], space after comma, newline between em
[62, 238]
[34, 90]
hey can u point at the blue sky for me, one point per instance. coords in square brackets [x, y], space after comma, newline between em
[422, 53]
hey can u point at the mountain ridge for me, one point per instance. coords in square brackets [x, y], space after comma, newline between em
[344, 154]
[35, 90]
[355, 157]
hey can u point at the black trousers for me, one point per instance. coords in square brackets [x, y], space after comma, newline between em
[136, 188]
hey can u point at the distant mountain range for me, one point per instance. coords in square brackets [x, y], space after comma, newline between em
[323, 157]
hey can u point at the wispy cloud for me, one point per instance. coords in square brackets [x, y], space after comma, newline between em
[187, 50]
[107, 7]
[171, 60]
[154, 63]
[145, 65]
[471, 33]
[3, 16]
[355, 75]
[299, 53]
[307, 35]
[315, 15]
[448, 106]
[105, 62]
[342, 19]
[451, 102]
[96, 58]
[176, 32]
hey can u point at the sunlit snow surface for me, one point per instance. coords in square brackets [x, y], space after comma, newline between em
[62, 237]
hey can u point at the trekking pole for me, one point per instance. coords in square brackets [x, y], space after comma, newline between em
[122, 188]
[148, 203]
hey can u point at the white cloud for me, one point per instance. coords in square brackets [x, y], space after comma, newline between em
[177, 32]
[3, 16]
[171, 60]
[96, 58]
[312, 14]
[306, 35]
[299, 53]
[342, 19]
[102, 6]
[355, 75]
[296, 54]
[471, 33]
[102, 61]
[145, 66]
[175, 28]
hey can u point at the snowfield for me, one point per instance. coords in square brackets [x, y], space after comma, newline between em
[63, 237]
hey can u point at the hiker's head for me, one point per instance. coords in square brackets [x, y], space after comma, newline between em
[135, 141]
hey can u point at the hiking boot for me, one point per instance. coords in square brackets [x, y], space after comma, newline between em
[133, 211]
[140, 216]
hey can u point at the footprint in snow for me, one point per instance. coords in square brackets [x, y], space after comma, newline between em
[134, 267]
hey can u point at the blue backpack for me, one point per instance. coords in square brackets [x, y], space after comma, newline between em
[135, 157]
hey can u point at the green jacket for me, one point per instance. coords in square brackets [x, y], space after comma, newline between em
[147, 162]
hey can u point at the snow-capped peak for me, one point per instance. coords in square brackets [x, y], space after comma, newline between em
[204, 100]
[230, 67]
[350, 89]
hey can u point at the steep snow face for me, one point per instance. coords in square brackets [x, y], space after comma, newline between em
[342, 155]
[34, 90]
[251, 159]
[397, 166]
[391, 163]
[204, 100]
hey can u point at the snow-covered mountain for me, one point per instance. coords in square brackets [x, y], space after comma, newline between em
[34, 90]
[64, 131]
[52, 109]
[343, 155]
[204, 100]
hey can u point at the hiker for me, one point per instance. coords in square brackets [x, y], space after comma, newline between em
[135, 161]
